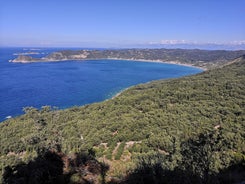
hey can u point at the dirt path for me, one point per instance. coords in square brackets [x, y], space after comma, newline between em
[115, 150]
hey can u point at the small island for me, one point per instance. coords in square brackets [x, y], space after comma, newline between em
[194, 57]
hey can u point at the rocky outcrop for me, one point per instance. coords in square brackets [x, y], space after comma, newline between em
[57, 56]
[25, 59]
[67, 55]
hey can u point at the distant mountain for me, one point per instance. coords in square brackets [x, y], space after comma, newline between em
[206, 46]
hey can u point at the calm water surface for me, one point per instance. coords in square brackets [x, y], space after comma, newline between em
[70, 83]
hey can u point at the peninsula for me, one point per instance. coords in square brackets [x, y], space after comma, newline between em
[194, 57]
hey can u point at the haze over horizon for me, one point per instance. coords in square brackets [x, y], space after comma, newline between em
[145, 23]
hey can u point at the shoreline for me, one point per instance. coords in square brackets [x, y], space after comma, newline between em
[119, 93]
[115, 59]
[159, 61]
[154, 61]
[135, 60]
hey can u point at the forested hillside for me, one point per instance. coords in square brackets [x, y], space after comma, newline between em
[188, 130]
[201, 58]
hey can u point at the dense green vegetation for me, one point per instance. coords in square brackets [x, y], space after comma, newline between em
[55, 167]
[202, 58]
[196, 57]
[196, 124]
[199, 157]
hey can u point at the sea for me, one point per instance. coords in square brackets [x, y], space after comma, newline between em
[71, 83]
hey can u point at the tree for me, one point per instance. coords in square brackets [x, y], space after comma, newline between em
[198, 154]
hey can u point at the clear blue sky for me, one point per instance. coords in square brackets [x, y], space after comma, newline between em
[119, 22]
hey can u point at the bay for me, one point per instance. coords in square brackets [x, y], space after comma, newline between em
[72, 83]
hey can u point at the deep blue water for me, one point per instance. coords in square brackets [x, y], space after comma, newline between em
[70, 83]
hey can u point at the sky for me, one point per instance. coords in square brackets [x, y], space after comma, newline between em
[118, 23]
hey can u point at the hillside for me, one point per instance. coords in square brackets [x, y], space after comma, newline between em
[200, 58]
[173, 118]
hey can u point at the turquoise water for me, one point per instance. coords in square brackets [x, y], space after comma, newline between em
[69, 83]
